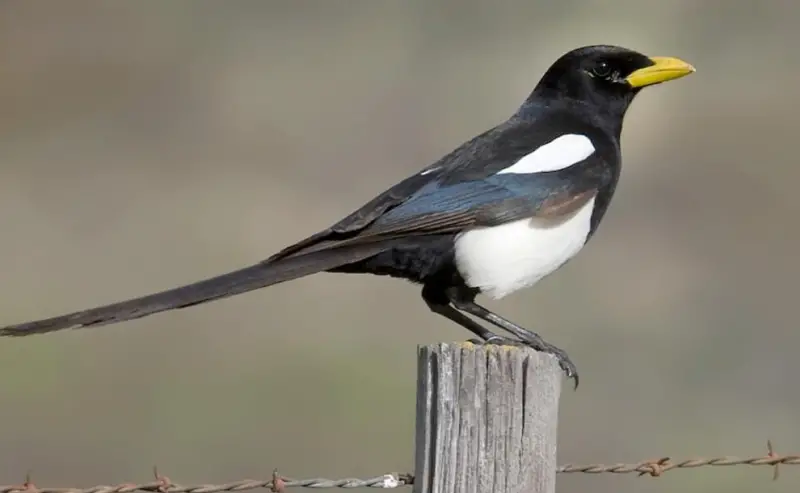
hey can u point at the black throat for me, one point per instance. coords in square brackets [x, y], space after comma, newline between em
[606, 113]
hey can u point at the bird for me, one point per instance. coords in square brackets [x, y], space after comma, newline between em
[497, 214]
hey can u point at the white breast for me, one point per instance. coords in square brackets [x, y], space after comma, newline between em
[502, 259]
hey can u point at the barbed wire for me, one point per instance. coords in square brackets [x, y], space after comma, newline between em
[278, 483]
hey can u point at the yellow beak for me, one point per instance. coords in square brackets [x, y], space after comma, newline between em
[662, 70]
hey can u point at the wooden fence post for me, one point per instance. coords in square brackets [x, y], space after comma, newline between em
[486, 419]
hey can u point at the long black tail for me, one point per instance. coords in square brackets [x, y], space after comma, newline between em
[240, 281]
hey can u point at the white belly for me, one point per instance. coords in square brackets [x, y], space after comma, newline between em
[502, 259]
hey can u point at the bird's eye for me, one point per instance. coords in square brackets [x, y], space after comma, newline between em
[602, 69]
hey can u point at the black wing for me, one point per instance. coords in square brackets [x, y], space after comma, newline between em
[496, 200]
[463, 189]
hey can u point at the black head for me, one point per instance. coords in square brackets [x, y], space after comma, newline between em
[606, 78]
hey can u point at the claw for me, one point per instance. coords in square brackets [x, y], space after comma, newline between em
[571, 373]
[565, 363]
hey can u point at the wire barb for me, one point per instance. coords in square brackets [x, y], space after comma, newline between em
[278, 484]
[771, 454]
[164, 483]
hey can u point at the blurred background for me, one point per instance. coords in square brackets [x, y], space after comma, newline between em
[150, 144]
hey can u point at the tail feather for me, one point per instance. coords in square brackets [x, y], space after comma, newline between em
[240, 281]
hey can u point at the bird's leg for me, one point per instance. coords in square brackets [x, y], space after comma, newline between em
[438, 302]
[464, 300]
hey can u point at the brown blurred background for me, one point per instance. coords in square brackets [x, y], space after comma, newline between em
[149, 144]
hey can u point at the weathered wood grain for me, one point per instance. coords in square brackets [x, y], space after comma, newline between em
[487, 418]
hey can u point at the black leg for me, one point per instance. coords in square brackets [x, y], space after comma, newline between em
[456, 316]
[438, 303]
[464, 300]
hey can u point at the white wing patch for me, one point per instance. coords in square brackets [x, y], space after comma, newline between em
[557, 154]
[429, 170]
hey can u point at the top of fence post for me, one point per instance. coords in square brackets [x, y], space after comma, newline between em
[486, 419]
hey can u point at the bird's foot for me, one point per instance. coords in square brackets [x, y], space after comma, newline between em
[540, 345]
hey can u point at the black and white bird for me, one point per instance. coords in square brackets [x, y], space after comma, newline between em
[495, 215]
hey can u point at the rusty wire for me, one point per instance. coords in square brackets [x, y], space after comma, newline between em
[277, 483]
[658, 467]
